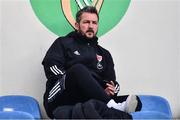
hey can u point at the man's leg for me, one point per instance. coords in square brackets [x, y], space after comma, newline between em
[82, 86]
[121, 99]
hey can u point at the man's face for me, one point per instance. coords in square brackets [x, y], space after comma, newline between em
[88, 25]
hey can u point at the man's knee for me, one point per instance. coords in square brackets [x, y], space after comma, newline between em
[78, 68]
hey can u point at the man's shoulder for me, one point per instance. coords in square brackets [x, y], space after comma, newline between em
[103, 49]
[64, 40]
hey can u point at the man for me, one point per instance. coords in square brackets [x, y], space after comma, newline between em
[78, 69]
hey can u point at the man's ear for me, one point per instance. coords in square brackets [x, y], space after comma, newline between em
[77, 26]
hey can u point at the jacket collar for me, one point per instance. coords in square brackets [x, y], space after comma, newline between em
[82, 39]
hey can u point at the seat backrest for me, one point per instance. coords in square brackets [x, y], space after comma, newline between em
[20, 103]
[155, 103]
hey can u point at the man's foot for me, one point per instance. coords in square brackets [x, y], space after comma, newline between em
[127, 106]
[130, 104]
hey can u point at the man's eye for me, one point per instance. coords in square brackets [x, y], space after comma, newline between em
[94, 22]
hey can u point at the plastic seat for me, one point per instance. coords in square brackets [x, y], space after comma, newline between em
[20, 103]
[16, 115]
[149, 115]
[153, 107]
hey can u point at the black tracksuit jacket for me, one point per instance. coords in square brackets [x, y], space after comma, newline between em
[76, 49]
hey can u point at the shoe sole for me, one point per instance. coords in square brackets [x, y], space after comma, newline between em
[131, 103]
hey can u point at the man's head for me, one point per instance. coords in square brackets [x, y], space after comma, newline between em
[87, 21]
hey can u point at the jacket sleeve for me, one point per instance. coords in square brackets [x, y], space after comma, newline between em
[54, 60]
[110, 72]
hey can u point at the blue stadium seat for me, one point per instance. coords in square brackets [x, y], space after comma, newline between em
[18, 115]
[153, 107]
[19, 104]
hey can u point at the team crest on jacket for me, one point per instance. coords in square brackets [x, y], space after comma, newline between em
[99, 59]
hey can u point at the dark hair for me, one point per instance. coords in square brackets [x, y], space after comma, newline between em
[88, 9]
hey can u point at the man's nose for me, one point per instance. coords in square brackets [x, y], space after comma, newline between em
[90, 25]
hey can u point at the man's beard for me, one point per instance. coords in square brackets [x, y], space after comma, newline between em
[85, 34]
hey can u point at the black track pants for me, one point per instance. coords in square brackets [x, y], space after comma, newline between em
[81, 86]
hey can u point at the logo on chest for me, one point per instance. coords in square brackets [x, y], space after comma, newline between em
[99, 59]
[77, 52]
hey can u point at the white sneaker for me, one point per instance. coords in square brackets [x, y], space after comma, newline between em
[118, 106]
[127, 106]
[130, 104]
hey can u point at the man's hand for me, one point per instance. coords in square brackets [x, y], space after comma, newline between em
[110, 88]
